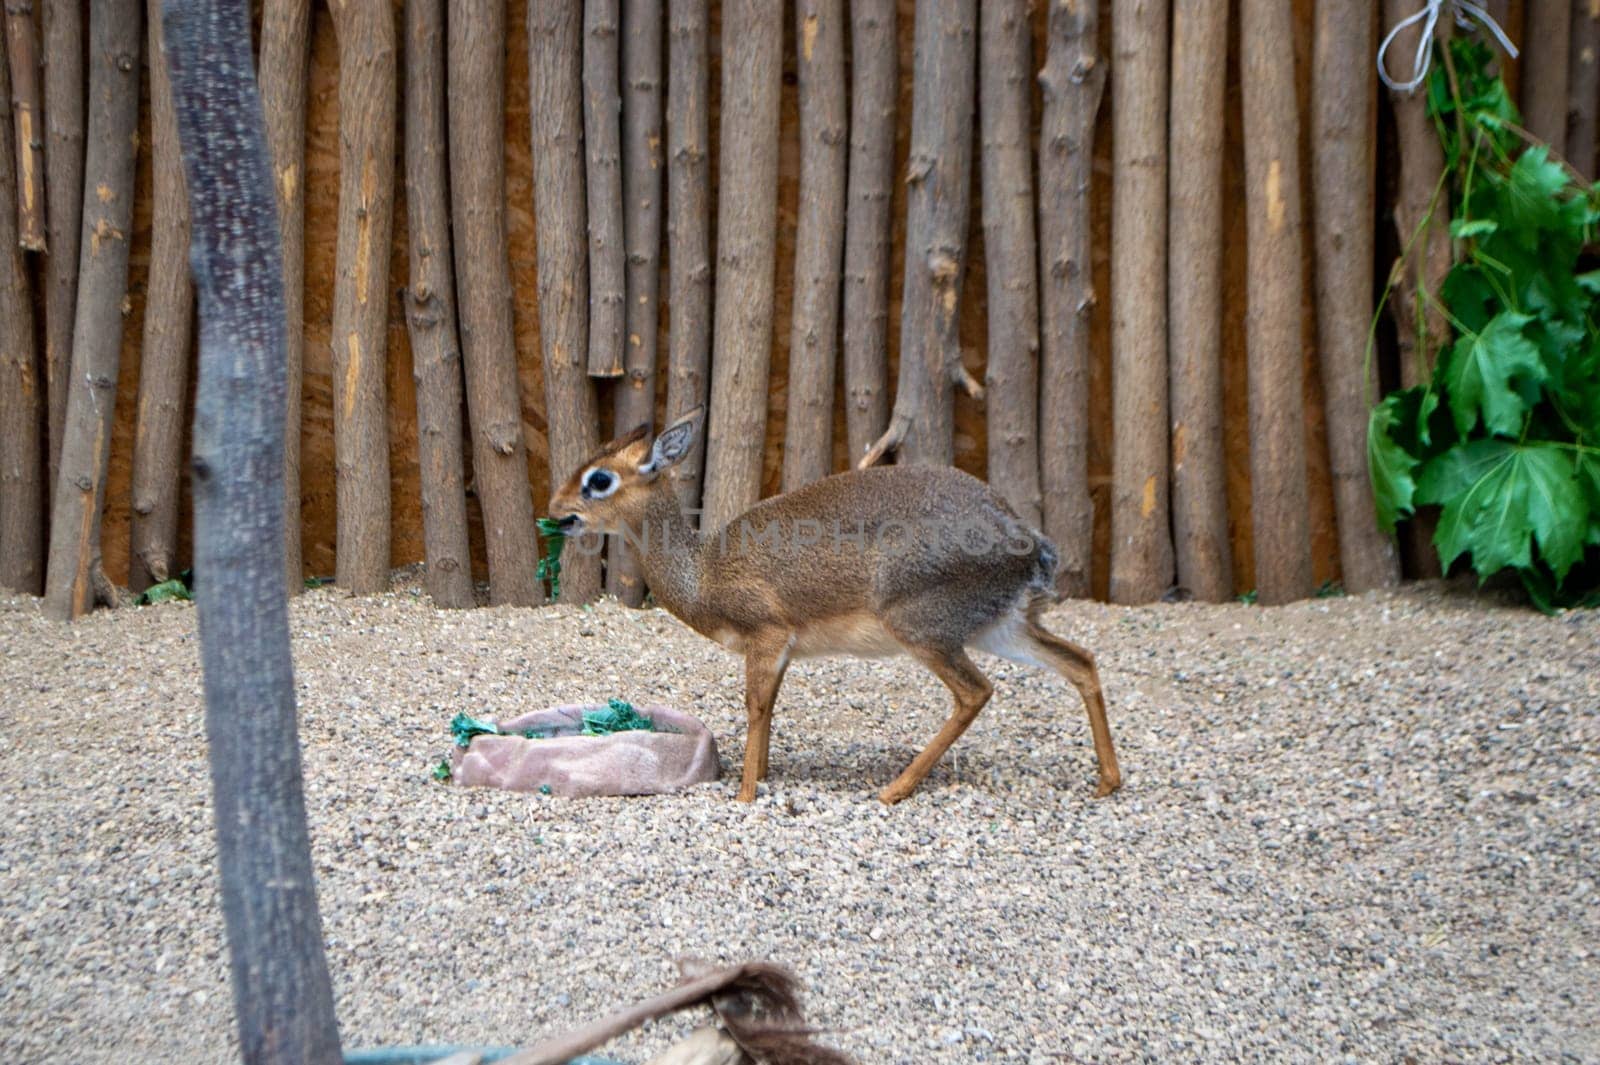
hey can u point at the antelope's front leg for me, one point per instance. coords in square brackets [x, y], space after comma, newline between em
[764, 665]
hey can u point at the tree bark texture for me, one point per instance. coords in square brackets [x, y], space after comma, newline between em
[1141, 545]
[1278, 500]
[1011, 383]
[635, 395]
[688, 228]
[164, 359]
[1073, 83]
[938, 179]
[22, 47]
[282, 995]
[602, 133]
[63, 177]
[868, 241]
[1547, 40]
[285, 67]
[1342, 137]
[747, 211]
[367, 106]
[74, 559]
[476, 76]
[1194, 300]
[555, 80]
[1583, 86]
[430, 303]
[21, 401]
[1420, 327]
[819, 242]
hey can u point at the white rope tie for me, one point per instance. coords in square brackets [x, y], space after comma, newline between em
[1429, 17]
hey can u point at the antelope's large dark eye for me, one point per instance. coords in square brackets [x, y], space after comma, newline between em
[598, 483]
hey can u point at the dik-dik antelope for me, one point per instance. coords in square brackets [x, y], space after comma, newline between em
[902, 559]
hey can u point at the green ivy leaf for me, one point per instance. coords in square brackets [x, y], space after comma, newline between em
[1389, 464]
[1534, 198]
[1500, 498]
[1480, 370]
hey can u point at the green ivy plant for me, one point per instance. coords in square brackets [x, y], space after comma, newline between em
[1505, 437]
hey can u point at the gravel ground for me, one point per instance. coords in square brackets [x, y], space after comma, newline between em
[1352, 829]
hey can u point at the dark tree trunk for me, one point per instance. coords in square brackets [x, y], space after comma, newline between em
[1194, 300]
[1005, 69]
[1583, 86]
[285, 66]
[635, 395]
[1342, 138]
[819, 243]
[555, 86]
[281, 992]
[74, 564]
[1278, 502]
[1547, 39]
[1141, 543]
[21, 461]
[164, 360]
[747, 214]
[367, 106]
[1420, 327]
[22, 46]
[868, 241]
[476, 76]
[688, 227]
[430, 302]
[1073, 82]
[922, 428]
[602, 107]
[63, 176]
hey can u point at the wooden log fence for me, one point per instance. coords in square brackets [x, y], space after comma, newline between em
[1131, 267]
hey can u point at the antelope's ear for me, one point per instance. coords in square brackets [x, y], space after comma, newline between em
[674, 442]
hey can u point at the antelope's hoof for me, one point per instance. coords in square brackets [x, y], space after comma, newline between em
[1108, 784]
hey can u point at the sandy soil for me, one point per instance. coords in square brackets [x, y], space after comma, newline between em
[1360, 829]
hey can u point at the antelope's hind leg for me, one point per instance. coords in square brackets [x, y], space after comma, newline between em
[971, 690]
[1077, 665]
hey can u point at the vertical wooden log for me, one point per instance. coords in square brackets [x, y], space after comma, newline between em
[922, 426]
[63, 178]
[555, 85]
[21, 401]
[74, 561]
[285, 66]
[1278, 501]
[476, 76]
[1583, 85]
[1342, 137]
[868, 241]
[819, 243]
[1548, 39]
[430, 302]
[1420, 328]
[283, 998]
[367, 114]
[747, 212]
[1141, 546]
[688, 227]
[1194, 300]
[1073, 83]
[1011, 384]
[22, 46]
[635, 395]
[602, 107]
[164, 360]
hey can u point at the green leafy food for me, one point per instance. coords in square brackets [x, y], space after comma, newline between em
[167, 591]
[464, 727]
[550, 563]
[441, 772]
[618, 716]
[1505, 436]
